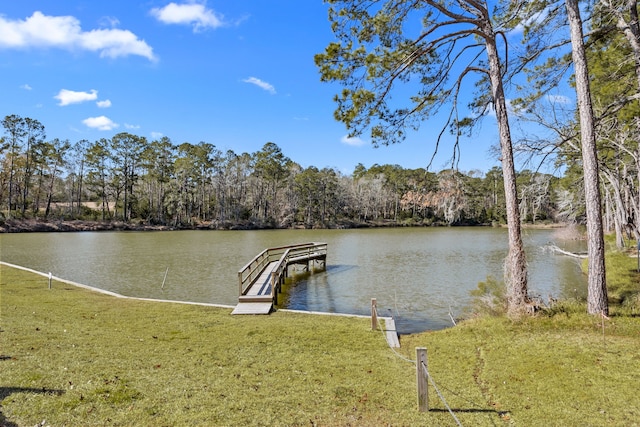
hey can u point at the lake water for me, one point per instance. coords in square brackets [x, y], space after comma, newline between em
[421, 276]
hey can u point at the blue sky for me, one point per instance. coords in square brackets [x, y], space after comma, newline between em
[236, 74]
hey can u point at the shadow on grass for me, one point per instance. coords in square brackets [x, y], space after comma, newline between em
[5, 423]
[8, 391]
[504, 415]
[470, 411]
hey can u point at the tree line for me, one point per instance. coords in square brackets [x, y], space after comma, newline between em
[127, 178]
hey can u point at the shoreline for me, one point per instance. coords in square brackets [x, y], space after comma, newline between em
[57, 226]
[389, 328]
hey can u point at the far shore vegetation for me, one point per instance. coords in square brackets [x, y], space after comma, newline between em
[127, 182]
[70, 356]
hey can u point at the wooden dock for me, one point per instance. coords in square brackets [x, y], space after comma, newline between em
[261, 279]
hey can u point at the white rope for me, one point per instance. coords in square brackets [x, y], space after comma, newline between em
[451, 316]
[433, 383]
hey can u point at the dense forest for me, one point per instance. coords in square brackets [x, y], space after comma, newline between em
[127, 178]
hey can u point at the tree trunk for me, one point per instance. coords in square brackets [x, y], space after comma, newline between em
[515, 267]
[27, 178]
[620, 208]
[80, 178]
[597, 301]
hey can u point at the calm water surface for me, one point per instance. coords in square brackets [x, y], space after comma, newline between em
[418, 275]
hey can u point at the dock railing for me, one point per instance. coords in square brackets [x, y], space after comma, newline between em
[285, 256]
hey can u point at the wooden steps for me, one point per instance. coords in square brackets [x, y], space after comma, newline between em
[253, 308]
[391, 332]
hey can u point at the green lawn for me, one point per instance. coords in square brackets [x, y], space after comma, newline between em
[73, 357]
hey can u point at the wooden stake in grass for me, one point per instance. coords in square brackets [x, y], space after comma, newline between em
[50, 278]
[421, 379]
[374, 315]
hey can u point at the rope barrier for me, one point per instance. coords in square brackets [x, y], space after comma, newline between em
[426, 372]
[435, 387]
[453, 320]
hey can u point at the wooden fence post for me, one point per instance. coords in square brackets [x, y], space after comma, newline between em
[374, 315]
[421, 379]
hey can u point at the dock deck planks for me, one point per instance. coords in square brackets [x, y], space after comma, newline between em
[257, 283]
[262, 285]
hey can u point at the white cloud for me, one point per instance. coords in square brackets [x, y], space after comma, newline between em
[511, 109]
[104, 104]
[67, 97]
[100, 123]
[195, 14]
[261, 84]
[156, 135]
[109, 21]
[128, 126]
[534, 19]
[26, 87]
[115, 43]
[353, 141]
[558, 99]
[64, 32]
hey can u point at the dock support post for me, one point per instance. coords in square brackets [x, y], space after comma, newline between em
[274, 288]
[374, 315]
[421, 379]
